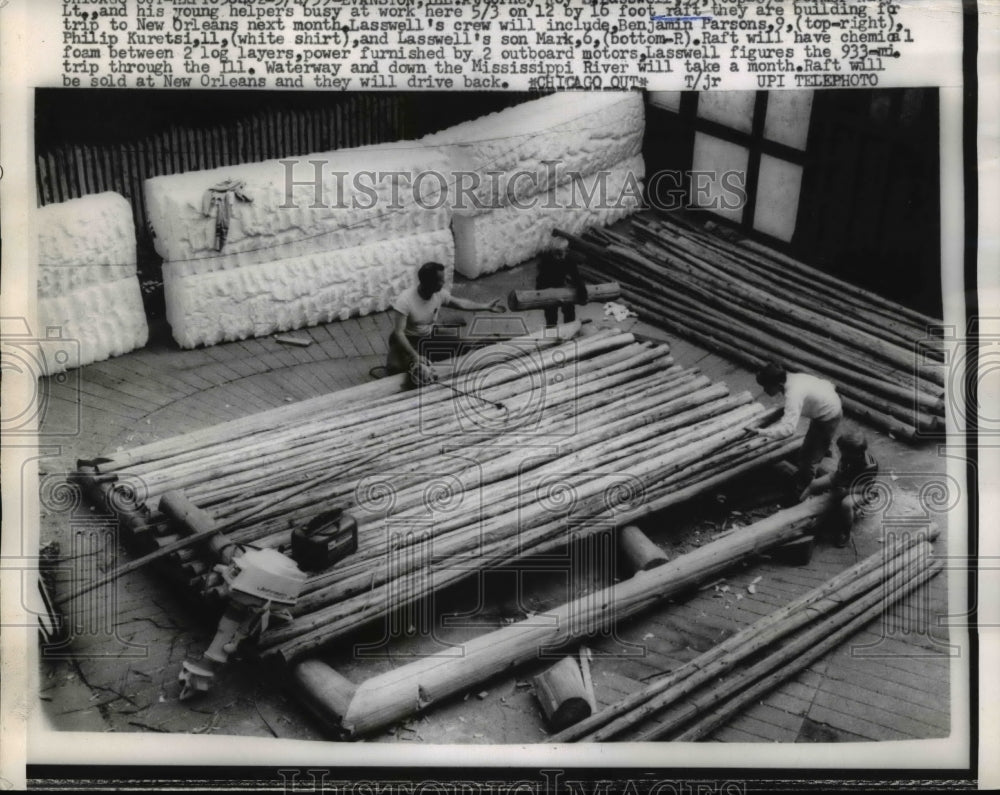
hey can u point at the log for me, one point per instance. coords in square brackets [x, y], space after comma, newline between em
[193, 465]
[195, 522]
[562, 694]
[640, 553]
[389, 388]
[522, 300]
[810, 353]
[878, 419]
[397, 694]
[320, 626]
[895, 414]
[753, 298]
[588, 680]
[620, 407]
[324, 692]
[776, 262]
[830, 596]
[718, 284]
[806, 649]
[743, 263]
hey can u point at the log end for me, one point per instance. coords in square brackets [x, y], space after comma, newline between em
[570, 712]
[323, 691]
[562, 694]
[640, 552]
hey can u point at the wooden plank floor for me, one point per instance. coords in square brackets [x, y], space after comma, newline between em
[890, 682]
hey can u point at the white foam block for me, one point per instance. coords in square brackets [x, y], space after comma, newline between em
[85, 241]
[93, 323]
[300, 205]
[542, 143]
[88, 291]
[92, 230]
[504, 237]
[256, 300]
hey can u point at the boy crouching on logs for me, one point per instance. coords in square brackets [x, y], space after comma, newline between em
[851, 482]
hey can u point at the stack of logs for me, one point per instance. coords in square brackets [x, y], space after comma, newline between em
[691, 701]
[752, 305]
[523, 443]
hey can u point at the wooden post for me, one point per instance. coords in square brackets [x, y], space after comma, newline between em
[640, 553]
[562, 694]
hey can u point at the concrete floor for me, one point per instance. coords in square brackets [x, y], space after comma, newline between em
[892, 681]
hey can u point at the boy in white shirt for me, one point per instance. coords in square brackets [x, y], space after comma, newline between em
[805, 396]
[414, 313]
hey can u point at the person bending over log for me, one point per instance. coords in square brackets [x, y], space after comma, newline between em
[558, 269]
[851, 482]
[805, 396]
[414, 313]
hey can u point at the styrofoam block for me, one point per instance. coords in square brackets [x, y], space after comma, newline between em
[544, 142]
[93, 323]
[256, 300]
[509, 235]
[92, 230]
[288, 220]
[64, 280]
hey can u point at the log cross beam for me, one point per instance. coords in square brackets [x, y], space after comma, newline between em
[393, 696]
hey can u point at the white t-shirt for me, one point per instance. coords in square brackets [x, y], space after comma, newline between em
[420, 314]
[805, 396]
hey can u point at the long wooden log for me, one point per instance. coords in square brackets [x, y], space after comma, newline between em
[752, 361]
[910, 402]
[805, 649]
[348, 486]
[354, 437]
[340, 416]
[699, 478]
[899, 406]
[901, 357]
[360, 395]
[836, 295]
[512, 533]
[776, 261]
[670, 288]
[842, 312]
[485, 459]
[360, 571]
[683, 408]
[397, 694]
[753, 297]
[243, 458]
[521, 300]
[809, 350]
[831, 595]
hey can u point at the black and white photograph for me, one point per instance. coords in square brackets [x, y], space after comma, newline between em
[556, 439]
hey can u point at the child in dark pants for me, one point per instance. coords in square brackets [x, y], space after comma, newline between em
[556, 269]
[851, 482]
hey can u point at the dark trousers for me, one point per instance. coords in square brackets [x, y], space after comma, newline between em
[815, 447]
[552, 314]
[441, 344]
